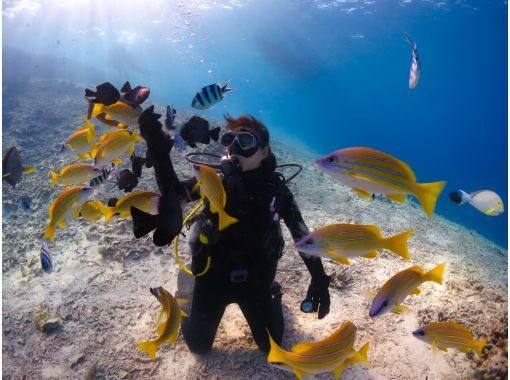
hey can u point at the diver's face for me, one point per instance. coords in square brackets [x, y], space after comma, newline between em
[252, 162]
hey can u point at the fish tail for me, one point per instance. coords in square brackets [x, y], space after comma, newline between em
[478, 346]
[409, 40]
[54, 178]
[398, 244]
[149, 347]
[29, 169]
[108, 212]
[225, 220]
[225, 88]
[427, 194]
[275, 352]
[435, 274]
[143, 222]
[215, 133]
[363, 352]
[50, 232]
[89, 93]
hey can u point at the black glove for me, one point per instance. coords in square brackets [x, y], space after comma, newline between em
[317, 297]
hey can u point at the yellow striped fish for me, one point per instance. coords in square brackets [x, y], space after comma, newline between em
[74, 174]
[397, 288]
[168, 330]
[444, 335]
[312, 358]
[90, 211]
[212, 188]
[147, 201]
[63, 207]
[119, 111]
[369, 171]
[342, 241]
[113, 146]
[80, 141]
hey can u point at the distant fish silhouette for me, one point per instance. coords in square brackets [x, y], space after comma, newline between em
[170, 117]
[414, 75]
[25, 202]
[46, 258]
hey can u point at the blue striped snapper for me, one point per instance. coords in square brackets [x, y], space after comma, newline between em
[342, 241]
[208, 96]
[402, 284]
[444, 335]
[147, 201]
[311, 358]
[370, 171]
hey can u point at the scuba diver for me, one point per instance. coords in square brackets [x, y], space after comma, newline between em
[238, 264]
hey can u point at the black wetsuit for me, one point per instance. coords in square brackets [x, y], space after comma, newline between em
[244, 259]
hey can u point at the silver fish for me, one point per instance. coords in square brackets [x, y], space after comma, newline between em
[46, 258]
[414, 74]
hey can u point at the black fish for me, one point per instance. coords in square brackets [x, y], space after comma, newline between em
[46, 258]
[456, 197]
[137, 163]
[24, 202]
[105, 175]
[167, 224]
[105, 94]
[170, 117]
[134, 96]
[126, 180]
[196, 130]
[11, 167]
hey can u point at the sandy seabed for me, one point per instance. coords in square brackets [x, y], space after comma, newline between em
[99, 290]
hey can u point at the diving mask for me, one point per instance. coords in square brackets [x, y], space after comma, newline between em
[241, 143]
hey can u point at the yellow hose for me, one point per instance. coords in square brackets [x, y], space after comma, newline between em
[176, 246]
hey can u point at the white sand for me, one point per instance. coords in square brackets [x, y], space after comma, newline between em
[100, 287]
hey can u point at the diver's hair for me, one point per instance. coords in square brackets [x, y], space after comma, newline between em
[250, 123]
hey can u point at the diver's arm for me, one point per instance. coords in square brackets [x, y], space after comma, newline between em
[318, 292]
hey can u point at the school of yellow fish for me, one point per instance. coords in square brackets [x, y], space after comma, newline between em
[365, 170]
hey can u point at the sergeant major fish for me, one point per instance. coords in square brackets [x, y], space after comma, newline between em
[368, 171]
[398, 287]
[103, 177]
[342, 241]
[414, 74]
[168, 330]
[444, 335]
[210, 95]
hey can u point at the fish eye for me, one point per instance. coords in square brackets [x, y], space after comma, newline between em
[309, 242]
[421, 332]
[332, 159]
[385, 303]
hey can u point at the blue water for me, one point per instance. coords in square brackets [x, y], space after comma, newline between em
[333, 74]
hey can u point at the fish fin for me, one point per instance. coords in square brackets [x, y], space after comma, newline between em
[341, 260]
[126, 87]
[117, 161]
[370, 255]
[195, 187]
[215, 133]
[490, 211]
[159, 318]
[108, 213]
[143, 222]
[368, 293]
[416, 291]
[301, 347]
[29, 169]
[427, 194]
[84, 155]
[149, 347]
[54, 178]
[183, 313]
[131, 149]
[362, 354]
[398, 244]
[161, 327]
[225, 220]
[275, 351]
[76, 213]
[6, 175]
[62, 223]
[89, 93]
[94, 109]
[478, 346]
[173, 336]
[225, 88]
[400, 309]
[338, 370]
[122, 125]
[50, 232]
[435, 274]
[182, 301]
[362, 193]
[400, 198]
[137, 137]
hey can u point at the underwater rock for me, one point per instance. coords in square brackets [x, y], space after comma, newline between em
[45, 321]
[76, 359]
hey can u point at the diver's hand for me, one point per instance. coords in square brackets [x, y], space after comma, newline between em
[317, 297]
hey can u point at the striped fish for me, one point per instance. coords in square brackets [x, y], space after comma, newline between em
[74, 174]
[208, 96]
[80, 141]
[111, 147]
[103, 177]
[369, 171]
[46, 258]
[63, 207]
[147, 201]
[414, 74]
[168, 330]
[397, 288]
[342, 241]
[444, 335]
[312, 358]
[212, 189]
